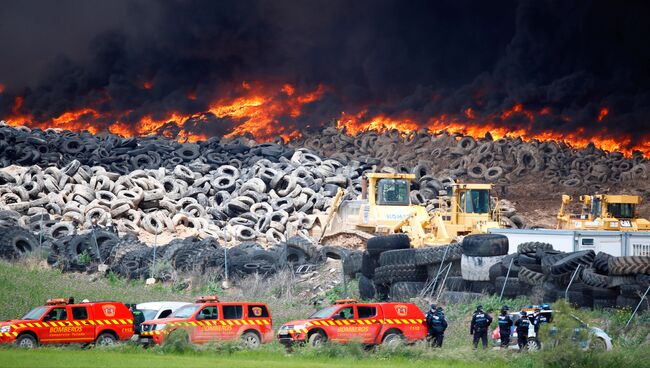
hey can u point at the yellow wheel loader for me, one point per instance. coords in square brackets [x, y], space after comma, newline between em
[385, 208]
[602, 212]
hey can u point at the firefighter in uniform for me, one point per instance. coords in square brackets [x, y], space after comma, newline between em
[436, 324]
[522, 325]
[479, 326]
[505, 323]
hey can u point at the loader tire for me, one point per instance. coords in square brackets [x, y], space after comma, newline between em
[629, 265]
[496, 271]
[530, 277]
[397, 257]
[403, 291]
[601, 263]
[399, 273]
[532, 247]
[505, 264]
[572, 261]
[477, 268]
[513, 287]
[305, 245]
[643, 280]
[380, 244]
[367, 289]
[591, 278]
[616, 281]
[368, 265]
[485, 245]
[16, 241]
[460, 297]
[484, 287]
[352, 264]
[550, 260]
[432, 255]
[333, 252]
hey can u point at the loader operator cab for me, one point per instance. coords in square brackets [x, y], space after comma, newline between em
[474, 200]
[393, 192]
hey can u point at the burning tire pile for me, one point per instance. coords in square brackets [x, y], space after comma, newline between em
[481, 264]
[497, 161]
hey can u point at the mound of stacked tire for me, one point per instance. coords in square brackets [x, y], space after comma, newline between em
[497, 161]
[234, 190]
[390, 269]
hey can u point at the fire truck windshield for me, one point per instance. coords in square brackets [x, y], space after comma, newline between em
[324, 313]
[186, 311]
[35, 313]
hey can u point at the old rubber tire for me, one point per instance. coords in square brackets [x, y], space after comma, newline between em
[15, 241]
[305, 245]
[513, 287]
[352, 264]
[399, 273]
[367, 289]
[432, 255]
[591, 278]
[456, 283]
[601, 263]
[251, 340]
[572, 261]
[533, 247]
[379, 244]
[368, 265]
[530, 277]
[483, 287]
[397, 257]
[629, 265]
[549, 260]
[485, 245]
[496, 271]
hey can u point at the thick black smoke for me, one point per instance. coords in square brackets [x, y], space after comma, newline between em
[400, 58]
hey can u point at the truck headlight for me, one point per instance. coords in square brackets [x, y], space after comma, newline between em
[160, 327]
[298, 327]
[5, 329]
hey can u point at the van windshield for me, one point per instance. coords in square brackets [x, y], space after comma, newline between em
[149, 314]
[324, 313]
[35, 313]
[187, 311]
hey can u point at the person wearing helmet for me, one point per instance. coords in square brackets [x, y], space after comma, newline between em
[505, 324]
[537, 319]
[429, 320]
[479, 326]
[522, 325]
[438, 327]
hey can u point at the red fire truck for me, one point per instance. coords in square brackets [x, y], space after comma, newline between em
[60, 322]
[209, 319]
[349, 321]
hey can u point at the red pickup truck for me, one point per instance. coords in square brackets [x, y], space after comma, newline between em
[349, 321]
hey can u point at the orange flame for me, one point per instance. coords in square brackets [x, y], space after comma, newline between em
[147, 85]
[2, 88]
[603, 112]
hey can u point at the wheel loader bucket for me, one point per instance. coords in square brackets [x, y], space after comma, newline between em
[346, 218]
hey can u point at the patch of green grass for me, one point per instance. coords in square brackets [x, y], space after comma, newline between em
[25, 286]
[134, 358]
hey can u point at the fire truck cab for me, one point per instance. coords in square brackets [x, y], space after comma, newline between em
[61, 322]
[366, 323]
[209, 320]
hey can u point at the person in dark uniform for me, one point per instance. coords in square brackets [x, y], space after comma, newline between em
[536, 320]
[429, 320]
[522, 325]
[479, 326]
[138, 318]
[505, 323]
[438, 327]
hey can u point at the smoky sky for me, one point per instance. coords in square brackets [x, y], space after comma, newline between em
[399, 58]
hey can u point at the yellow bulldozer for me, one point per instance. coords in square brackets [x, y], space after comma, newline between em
[602, 212]
[385, 208]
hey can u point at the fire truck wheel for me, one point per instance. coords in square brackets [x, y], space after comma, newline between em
[251, 340]
[106, 339]
[393, 339]
[26, 341]
[317, 339]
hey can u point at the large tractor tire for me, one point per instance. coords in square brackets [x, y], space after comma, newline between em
[530, 277]
[403, 291]
[380, 244]
[352, 264]
[432, 255]
[368, 265]
[533, 247]
[601, 263]
[399, 273]
[629, 265]
[591, 278]
[485, 245]
[367, 289]
[397, 257]
[15, 241]
[572, 261]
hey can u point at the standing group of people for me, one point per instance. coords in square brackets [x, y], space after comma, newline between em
[481, 321]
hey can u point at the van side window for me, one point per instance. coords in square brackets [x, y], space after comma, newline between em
[56, 314]
[165, 313]
[232, 311]
[366, 312]
[257, 311]
[210, 312]
[345, 313]
[79, 313]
